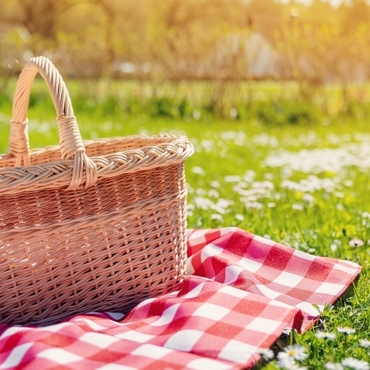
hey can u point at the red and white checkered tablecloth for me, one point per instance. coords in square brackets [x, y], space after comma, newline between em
[241, 292]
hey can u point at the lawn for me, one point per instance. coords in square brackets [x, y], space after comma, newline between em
[303, 186]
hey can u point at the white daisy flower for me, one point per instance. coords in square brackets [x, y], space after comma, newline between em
[266, 353]
[356, 243]
[199, 170]
[294, 352]
[333, 366]
[355, 364]
[297, 207]
[216, 216]
[239, 217]
[346, 330]
[287, 363]
[364, 343]
[325, 335]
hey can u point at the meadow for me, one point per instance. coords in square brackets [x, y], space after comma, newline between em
[305, 185]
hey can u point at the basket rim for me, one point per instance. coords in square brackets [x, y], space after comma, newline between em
[174, 149]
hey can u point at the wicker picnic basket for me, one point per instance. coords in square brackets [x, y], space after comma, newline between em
[87, 225]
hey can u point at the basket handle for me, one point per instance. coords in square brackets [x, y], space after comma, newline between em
[71, 144]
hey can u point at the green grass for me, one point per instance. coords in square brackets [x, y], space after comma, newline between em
[305, 200]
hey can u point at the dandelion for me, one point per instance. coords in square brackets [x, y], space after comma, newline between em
[333, 366]
[364, 343]
[325, 335]
[355, 364]
[356, 243]
[346, 330]
[294, 352]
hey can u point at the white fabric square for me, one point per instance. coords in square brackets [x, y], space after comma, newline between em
[304, 255]
[56, 327]
[184, 340]
[151, 351]
[288, 279]
[211, 311]
[210, 250]
[329, 288]
[267, 292]
[16, 356]
[263, 325]
[197, 237]
[167, 316]
[98, 339]
[115, 367]
[262, 240]
[232, 273]
[93, 325]
[346, 269]
[134, 336]
[14, 330]
[227, 230]
[250, 265]
[236, 351]
[189, 266]
[59, 356]
[307, 308]
[234, 292]
[205, 363]
[194, 292]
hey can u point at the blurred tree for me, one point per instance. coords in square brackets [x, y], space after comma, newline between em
[267, 16]
[42, 17]
[354, 13]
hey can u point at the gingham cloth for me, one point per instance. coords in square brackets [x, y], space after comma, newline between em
[241, 292]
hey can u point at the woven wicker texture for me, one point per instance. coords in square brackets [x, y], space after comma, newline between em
[87, 225]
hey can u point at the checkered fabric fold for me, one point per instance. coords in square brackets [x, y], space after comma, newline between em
[241, 292]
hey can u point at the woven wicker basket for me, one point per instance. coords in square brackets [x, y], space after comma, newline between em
[90, 225]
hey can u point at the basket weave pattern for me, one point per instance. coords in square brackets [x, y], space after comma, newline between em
[100, 229]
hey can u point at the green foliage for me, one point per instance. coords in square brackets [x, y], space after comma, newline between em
[231, 183]
[195, 102]
[283, 112]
